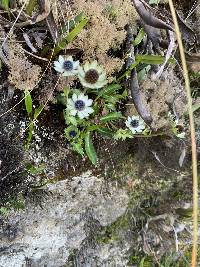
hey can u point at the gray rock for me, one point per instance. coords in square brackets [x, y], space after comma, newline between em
[69, 219]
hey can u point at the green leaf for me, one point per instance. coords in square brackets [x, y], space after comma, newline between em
[143, 73]
[38, 111]
[78, 148]
[30, 135]
[111, 116]
[4, 211]
[89, 148]
[110, 89]
[139, 37]
[71, 120]
[128, 72]
[71, 35]
[30, 7]
[152, 2]
[195, 107]
[123, 134]
[5, 4]
[105, 132]
[152, 59]
[72, 23]
[35, 170]
[28, 102]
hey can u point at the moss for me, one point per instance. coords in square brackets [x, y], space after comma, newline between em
[112, 232]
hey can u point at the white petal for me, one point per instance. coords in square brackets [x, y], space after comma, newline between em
[74, 97]
[86, 66]
[85, 84]
[85, 98]
[89, 110]
[86, 114]
[127, 124]
[93, 65]
[73, 112]
[81, 114]
[68, 73]
[135, 118]
[133, 130]
[61, 59]
[81, 97]
[98, 85]
[102, 77]
[58, 69]
[81, 72]
[70, 58]
[57, 64]
[89, 102]
[76, 64]
[129, 119]
[70, 102]
[100, 70]
[139, 129]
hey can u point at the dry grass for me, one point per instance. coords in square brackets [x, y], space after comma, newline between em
[193, 140]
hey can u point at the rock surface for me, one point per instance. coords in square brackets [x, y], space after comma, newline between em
[70, 217]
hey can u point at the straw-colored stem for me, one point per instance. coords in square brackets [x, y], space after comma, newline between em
[192, 131]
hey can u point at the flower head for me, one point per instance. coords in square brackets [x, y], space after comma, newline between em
[71, 132]
[92, 75]
[67, 66]
[80, 105]
[135, 124]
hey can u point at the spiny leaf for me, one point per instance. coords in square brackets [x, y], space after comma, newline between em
[111, 116]
[78, 148]
[110, 89]
[105, 132]
[89, 148]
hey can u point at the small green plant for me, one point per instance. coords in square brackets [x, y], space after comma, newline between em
[32, 114]
[94, 108]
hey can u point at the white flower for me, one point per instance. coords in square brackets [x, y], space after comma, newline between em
[80, 105]
[181, 135]
[92, 75]
[135, 124]
[67, 66]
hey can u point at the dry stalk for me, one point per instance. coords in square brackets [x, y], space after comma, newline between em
[192, 131]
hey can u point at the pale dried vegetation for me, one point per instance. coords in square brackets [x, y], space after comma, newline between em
[22, 73]
[163, 96]
[105, 31]
[99, 40]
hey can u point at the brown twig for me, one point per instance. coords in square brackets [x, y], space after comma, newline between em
[137, 99]
[147, 16]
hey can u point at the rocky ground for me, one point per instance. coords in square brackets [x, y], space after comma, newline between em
[133, 209]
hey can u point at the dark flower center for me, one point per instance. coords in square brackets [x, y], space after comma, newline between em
[72, 133]
[68, 65]
[91, 76]
[134, 123]
[79, 105]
